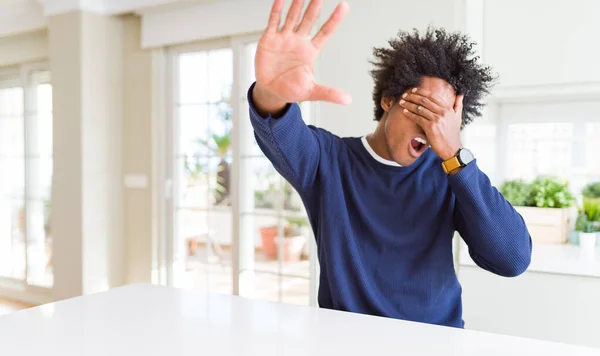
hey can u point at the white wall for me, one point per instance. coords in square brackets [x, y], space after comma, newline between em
[86, 55]
[102, 116]
[23, 48]
[138, 128]
[204, 21]
[540, 42]
[21, 16]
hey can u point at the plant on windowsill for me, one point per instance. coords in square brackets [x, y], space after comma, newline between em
[266, 199]
[591, 191]
[545, 205]
[516, 191]
[293, 241]
[220, 146]
[588, 218]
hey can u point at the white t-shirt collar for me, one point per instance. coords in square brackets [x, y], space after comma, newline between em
[377, 157]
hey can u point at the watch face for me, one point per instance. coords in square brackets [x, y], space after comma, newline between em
[465, 156]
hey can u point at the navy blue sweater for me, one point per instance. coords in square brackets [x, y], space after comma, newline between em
[384, 233]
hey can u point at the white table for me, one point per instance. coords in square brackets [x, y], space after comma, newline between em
[145, 320]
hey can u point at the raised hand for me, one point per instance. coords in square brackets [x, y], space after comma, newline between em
[285, 57]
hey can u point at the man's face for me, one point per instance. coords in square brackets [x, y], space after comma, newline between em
[404, 138]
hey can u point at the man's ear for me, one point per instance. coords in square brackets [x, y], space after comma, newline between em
[387, 103]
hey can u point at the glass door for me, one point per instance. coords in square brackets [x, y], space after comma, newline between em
[202, 159]
[234, 226]
[26, 163]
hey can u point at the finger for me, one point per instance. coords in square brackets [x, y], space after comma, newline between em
[331, 25]
[458, 105]
[293, 15]
[418, 119]
[333, 95]
[275, 16]
[424, 101]
[418, 110]
[310, 17]
[431, 96]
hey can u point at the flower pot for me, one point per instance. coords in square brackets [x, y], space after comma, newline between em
[193, 245]
[268, 236]
[574, 237]
[292, 246]
[596, 225]
[587, 241]
[546, 225]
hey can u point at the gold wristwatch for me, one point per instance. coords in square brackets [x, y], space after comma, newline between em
[461, 159]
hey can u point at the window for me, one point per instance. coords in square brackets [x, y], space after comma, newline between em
[539, 149]
[524, 141]
[26, 180]
[254, 240]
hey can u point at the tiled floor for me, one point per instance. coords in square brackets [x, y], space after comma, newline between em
[7, 307]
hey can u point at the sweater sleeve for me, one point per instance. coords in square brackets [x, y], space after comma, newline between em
[293, 147]
[494, 231]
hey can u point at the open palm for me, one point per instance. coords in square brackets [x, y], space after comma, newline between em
[285, 57]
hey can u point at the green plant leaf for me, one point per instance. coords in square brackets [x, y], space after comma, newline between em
[516, 192]
[591, 190]
[550, 192]
[581, 222]
[591, 209]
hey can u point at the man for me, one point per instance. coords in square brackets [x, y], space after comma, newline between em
[384, 207]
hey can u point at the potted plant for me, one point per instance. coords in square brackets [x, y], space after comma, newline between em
[591, 211]
[516, 191]
[587, 237]
[293, 240]
[266, 198]
[544, 205]
[589, 214]
[591, 191]
[219, 145]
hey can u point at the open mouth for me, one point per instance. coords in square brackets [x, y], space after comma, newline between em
[418, 145]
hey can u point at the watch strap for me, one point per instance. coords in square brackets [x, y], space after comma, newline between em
[451, 164]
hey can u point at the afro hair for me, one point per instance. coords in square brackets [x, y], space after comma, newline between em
[448, 56]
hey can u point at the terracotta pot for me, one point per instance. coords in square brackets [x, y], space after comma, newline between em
[268, 236]
[292, 246]
[22, 219]
[192, 247]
